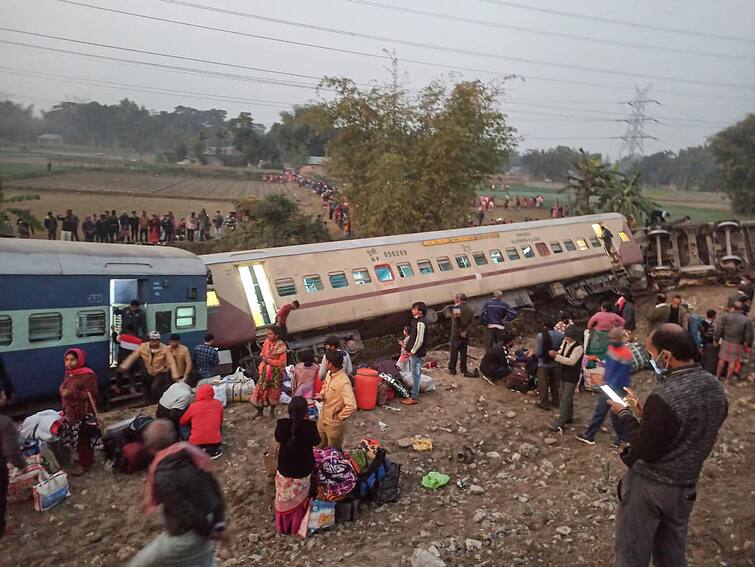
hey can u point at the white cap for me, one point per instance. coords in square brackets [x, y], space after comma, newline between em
[154, 336]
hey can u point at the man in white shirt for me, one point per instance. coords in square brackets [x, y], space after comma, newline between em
[175, 400]
[332, 343]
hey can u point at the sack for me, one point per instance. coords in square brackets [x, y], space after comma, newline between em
[239, 391]
[41, 426]
[220, 393]
[335, 475]
[640, 358]
[112, 444]
[396, 384]
[134, 458]
[518, 379]
[387, 366]
[387, 489]
[322, 515]
[382, 393]
[426, 383]
[270, 461]
[50, 491]
[484, 318]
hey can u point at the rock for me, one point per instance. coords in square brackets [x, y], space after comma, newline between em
[528, 450]
[479, 516]
[729, 521]
[434, 550]
[79, 506]
[563, 530]
[550, 440]
[471, 544]
[423, 558]
[523, 499]
[515, 457]
[493, 455]
[404, 442]
[348, 554]
[476, 489]
[510, 414]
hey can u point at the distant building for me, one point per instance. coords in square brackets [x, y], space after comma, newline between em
[50, 139]
[316, 165]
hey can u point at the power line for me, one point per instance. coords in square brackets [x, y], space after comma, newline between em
[391, 40]
[547, 33]
[619, 22]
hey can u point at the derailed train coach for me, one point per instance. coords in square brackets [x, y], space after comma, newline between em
[364, 287]
[58, 295]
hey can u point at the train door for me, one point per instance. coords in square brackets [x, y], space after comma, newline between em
[258, 294]
[122, 292]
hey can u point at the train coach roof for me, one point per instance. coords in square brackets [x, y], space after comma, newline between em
[262, 253]
[43, 257]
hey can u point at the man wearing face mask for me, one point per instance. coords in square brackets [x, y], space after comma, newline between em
[678, 427]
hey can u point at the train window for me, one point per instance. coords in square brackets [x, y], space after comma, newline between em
[528, 251]
[569, 245]
[462, 260]
[479, 258]
[405, 270]
[542, 249]
[338, 280]
[186, 317]
[512, 253]
[163, 322]
[384, 273]
[624, 236]
[6, 330]
[582, 244]
[285, 287]
[45, 327]
[496, 256]
[191, 293]
[90, 323]
[444, 264]
[556, 247]
[361, 276]
[425, 267]
[313, 284]
[595, 242]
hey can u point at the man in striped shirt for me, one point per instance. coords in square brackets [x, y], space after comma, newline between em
[416, 345]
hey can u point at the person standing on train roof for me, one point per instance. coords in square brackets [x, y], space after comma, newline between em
[493, 316]
[68, 224]
[158, 362]
[281, 317]
[332, 343]
[133, 316]
[461, 317]
[417, 347]
[51, 226]
[217, 220]
[181, 355]
[205, 357]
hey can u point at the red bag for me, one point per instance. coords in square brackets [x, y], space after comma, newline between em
[518, 379]
[134, 457]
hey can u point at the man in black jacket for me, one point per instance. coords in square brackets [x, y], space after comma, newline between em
[51, 226]
[417, 347]
[680, 423]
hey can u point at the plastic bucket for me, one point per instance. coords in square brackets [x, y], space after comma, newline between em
[366, 384]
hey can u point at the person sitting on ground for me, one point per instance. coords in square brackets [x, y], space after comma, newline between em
[569, 358]
[267, 390]
[338, 402]
[180, 480]
[306, 381]
[734, 334]
[497, 360]
[78, 393]
[10, 452]
[205, 417]
[297, 436]
[548, 380]
[333, 343]
[617, 376]
[176, 399]
[674, 435]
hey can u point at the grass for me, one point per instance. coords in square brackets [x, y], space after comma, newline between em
[21, 170]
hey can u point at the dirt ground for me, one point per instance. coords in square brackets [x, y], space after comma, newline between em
[533, 497]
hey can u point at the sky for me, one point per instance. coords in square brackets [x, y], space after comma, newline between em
[577, 64]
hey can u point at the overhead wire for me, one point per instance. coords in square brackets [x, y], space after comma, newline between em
[389, 40]
[548, 33]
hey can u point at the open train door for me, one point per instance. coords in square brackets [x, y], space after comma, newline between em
[122, 293]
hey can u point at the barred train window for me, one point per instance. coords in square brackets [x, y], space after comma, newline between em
[338, 280]
[542, 248]
[462, 260]
[405, 270]
[512, 253]
[313, 284]
[479, 258]
[45, 327]
[496, 256]
[444, 264]
[528, 251]
[285, 287]
[556, 247]
[384, 273]
[582, 244]
[91, 323]
[569, 245]
[6, 330]
[361, 276]
[425, 267]
[186, 317]
[595, 242]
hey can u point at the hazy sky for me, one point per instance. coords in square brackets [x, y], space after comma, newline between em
[562, 100]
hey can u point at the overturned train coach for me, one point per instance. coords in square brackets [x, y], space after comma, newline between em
[364, 287]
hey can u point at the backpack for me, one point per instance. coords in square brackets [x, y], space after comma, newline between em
[518, 379]
[387, 489]
[335, 475]
[484, 318]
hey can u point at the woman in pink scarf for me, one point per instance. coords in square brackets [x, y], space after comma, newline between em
[77, 393]
[267, 391]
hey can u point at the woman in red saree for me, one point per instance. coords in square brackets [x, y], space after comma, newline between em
[267, 391]
[77, 393]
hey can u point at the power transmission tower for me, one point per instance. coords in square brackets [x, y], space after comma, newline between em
[635, 136]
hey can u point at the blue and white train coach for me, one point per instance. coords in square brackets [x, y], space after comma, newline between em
[57, 295]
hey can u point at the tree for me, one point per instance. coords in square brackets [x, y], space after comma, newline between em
[197, 149]
[17, 122]
[301, 133]
[180, 152]
[733, 150]
[624, 195]
[590, 178]
[9, 213]
[410, 166]
[553, 163]
[273, 221]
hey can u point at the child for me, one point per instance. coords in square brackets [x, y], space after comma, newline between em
[568, 358]
[306, 382]
[403, 359]
[205, 417]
